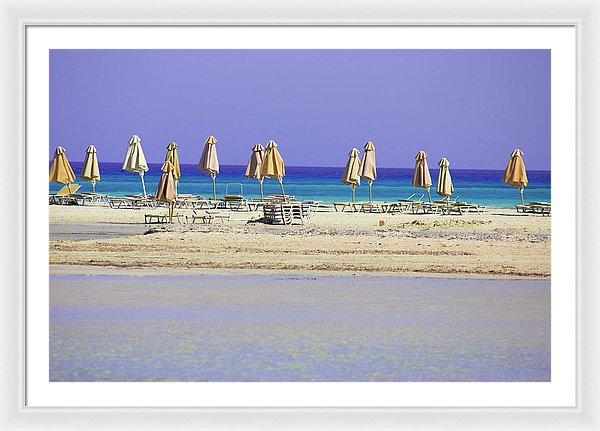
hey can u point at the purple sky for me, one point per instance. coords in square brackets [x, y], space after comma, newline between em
[470, 106]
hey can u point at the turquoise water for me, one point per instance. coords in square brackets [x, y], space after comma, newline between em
[322, 183]
[293, 328]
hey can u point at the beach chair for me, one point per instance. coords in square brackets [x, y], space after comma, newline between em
[255, 204]
[95, 198]
[65, 195]
[542, 208]
[208, 217]
[277, 213]
[341, 206]
[121, 203]
[163, 218]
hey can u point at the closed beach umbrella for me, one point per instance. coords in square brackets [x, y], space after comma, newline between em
[254, 167]
[422, 178]
[273, 166]
[173, 157]
[515, 173]
[90, 170]
[368, 167]
[135, 161]
[351, 174]
[444, 185]
[165, 192]
[209, 162]
[60, 170]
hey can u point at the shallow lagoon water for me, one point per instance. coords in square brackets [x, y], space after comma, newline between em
[294, 328]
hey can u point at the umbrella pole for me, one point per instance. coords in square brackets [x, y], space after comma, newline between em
[214, 178]
[171, 204]
[521, 191]
[260, 181]
[281, 184]
[143, 184]
[370, 191]
[353, 187]
[428, 194]
[176, 183]
[69, 187]
[93, 186]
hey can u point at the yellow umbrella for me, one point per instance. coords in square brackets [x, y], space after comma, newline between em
[60, 170]
[135, 161]
[173, 157]
[422, 178]
[90, 170]
[444, 185]
[368, 167]
[254, 167]
[351, 175]
[273, 166]
[209, 162]
[165, 192]
[515, 173]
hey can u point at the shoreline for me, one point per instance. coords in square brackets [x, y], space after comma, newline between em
[94, 270]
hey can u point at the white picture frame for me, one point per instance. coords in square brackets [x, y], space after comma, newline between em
[14, 17]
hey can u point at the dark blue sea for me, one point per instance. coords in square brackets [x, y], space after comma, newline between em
[323, 183]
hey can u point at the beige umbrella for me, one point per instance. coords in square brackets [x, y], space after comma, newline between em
[165, 192]
[351, 175]
[444, 185]
[90, 170]
[515, 173]
[368, 167]
[135, 161]
[209, 162]
[422, 178]
[173, 157]
[254, 167]
[273, 166]
[60, 170]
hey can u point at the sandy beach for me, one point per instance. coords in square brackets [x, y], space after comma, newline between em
[495, 244]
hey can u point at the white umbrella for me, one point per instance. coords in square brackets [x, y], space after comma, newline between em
[90, 170]
[135, 161]
[209, 162]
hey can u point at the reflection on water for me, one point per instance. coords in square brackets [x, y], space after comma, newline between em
[274, 328]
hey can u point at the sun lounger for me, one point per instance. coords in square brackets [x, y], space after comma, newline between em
[341, 206]
[543, 208]
[235, 203]
[286, 213]
[254, 205]
[208, 217]
[95, 198]
[162, 218]
[65, 195]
